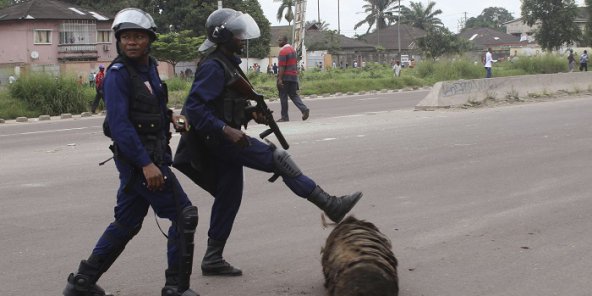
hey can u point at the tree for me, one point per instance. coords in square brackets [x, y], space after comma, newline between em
[322, 25]
[285, 10]
[420, 17]
[491, 17]
[587, 39]
[380, 13]
[440, 41]
[175, 47]
[556, 19]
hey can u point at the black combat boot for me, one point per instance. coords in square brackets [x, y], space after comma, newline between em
[171, 287]
[83, 283]
[214, 264]
[334, 207]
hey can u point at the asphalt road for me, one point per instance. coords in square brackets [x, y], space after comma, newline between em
[492, 201]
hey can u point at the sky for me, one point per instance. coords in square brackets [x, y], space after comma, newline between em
[351, 12]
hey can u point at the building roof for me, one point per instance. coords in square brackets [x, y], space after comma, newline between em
[486, 37]
[321, 40]
[49, 10]
[387, 37]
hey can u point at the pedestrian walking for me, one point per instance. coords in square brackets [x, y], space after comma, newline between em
[98, 88]
[287, 80]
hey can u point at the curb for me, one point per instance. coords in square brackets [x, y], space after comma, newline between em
[62, 116]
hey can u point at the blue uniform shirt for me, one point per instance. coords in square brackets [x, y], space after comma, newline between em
[207, 86]
[117, 97]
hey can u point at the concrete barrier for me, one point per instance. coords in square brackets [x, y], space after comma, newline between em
[448, 94]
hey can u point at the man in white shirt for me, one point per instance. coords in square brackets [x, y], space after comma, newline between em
[488, 61]
[397, 68]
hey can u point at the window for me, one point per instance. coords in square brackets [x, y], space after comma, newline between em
[77, 32]
[104, 36]
[67, 38]
[42, 36]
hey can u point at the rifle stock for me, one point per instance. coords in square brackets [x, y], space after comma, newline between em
[241, 85]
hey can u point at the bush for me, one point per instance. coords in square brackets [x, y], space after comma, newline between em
[444, 70]
[542, 64]
[11, 108]
[177, 84]
[51, 95]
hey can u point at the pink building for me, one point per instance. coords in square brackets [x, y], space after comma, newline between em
[55, 37]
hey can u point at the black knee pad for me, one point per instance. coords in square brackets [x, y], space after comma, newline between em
[189, 218]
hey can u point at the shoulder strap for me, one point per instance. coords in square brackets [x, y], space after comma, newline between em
[228, 66]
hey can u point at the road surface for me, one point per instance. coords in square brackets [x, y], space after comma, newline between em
[491, 201]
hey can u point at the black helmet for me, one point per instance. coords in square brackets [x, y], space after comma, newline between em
[225, 23]
[134, 19]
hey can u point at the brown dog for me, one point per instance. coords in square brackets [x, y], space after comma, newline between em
[358, 261]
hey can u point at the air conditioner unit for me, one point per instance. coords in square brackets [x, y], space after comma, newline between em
[106, 47]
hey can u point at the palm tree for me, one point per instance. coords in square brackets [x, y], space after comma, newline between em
[285, 10]
[380, 13]
[420, 17]
[323, 26]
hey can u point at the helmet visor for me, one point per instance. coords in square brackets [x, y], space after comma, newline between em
[134, 16]
[207, 45]
[243, 27]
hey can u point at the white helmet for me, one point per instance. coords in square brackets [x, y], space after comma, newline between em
[134, 19]
[225, 23]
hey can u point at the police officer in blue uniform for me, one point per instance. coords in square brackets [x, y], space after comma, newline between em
[216, 113]
[138, 122]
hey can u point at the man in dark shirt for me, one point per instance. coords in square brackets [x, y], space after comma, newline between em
[216, 112]
[138, 122]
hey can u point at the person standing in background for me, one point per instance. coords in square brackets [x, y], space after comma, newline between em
[397, 68]
[488, 61]
[571, 61]
[584, 61]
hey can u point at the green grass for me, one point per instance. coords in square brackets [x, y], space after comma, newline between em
[39, 94]
[11, 108]
[50, 95]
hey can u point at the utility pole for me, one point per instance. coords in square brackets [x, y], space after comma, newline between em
[399, 30]
[338, 20]
[318, 12]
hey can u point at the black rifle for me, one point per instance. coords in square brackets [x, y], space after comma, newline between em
[241, 85]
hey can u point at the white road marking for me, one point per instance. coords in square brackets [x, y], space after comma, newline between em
[48, 131]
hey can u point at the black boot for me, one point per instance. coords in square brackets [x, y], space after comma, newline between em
[83, 283]
[171, 287]
[334, 207]
[214, 264]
